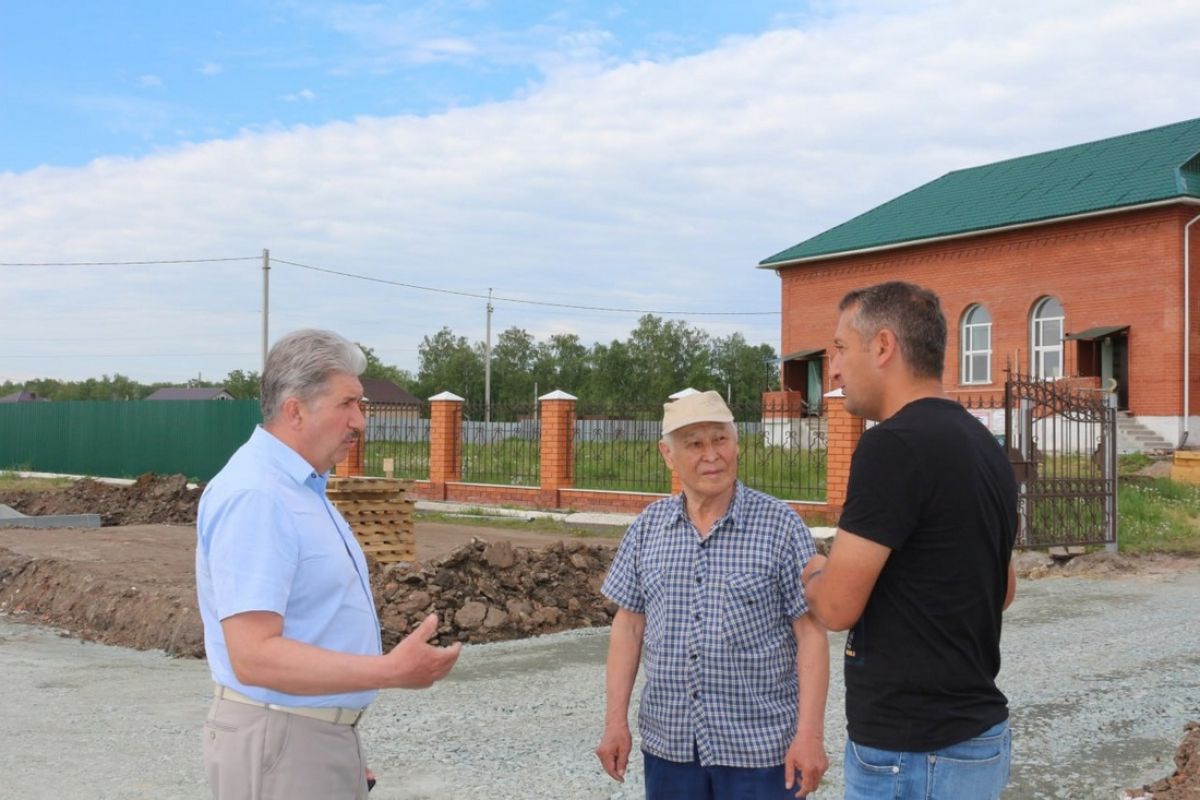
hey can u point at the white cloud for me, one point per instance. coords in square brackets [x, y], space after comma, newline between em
[441, 48]
[149, 81]
[210, 68]
[305, 95]
[647, 185]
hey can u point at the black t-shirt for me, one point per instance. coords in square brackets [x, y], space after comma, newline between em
[932, 484]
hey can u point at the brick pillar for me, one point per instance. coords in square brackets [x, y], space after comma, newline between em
[445, 442]
[556, 449]
[354, 464]
[843, 430]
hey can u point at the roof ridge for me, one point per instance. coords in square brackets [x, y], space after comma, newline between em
[1080, 145]
[1154, 165]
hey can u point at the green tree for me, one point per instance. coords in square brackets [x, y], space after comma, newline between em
[448, 363]
[612, 380]
[243, 385]
[45, 387]
[564, 363]
[513, 360]
[377, 369]
[669, 356]
[742, 371]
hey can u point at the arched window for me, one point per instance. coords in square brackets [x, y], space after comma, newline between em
[1046, 339]
[976, 345]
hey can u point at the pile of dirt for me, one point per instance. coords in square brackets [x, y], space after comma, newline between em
[100, 606]
[487, 592]
[482, 592]
[1033, 564]
[1184, 784]
[150, 499]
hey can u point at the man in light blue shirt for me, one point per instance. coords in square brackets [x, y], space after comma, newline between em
[289, 620]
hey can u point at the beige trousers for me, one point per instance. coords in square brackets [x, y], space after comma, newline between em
[253, 753]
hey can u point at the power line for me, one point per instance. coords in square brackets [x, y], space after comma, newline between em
[373, 279]
[480, 296]
[121, 263]
[121, 355]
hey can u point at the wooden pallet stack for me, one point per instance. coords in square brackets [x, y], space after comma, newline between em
[380, 514]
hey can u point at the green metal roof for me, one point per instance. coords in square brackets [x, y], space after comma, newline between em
[1158, 164]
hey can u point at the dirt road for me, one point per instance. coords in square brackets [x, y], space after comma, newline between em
[1101, 676]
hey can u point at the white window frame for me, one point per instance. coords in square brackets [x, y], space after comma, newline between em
[1038, 348]
[966, 345]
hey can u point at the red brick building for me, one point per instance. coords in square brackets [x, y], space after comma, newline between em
[1078, 262]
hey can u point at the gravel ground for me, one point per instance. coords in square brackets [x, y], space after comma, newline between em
[1101, 675]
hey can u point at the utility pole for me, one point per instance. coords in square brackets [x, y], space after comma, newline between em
[487, 364]
[266, 270]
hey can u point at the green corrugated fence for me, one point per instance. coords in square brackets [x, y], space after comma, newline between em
[123, 439]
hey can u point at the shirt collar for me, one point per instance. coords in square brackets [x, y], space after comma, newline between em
[731, 514]
[289, 461]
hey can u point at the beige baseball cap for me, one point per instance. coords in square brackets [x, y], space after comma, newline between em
[693, 408]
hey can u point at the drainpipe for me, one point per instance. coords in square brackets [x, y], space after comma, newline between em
[1187, 331]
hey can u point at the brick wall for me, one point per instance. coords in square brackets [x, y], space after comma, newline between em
[1120, 269]
[557, 467]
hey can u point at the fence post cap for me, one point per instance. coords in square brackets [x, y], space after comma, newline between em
[684, 393]
[558, 394]
[451, 396]
[836, 393]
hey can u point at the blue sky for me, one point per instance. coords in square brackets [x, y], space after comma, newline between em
[85, 80]
[629, 155]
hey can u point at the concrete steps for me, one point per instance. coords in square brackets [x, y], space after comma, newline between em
[1133, 437]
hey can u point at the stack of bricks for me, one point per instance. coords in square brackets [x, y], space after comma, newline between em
[379, 513]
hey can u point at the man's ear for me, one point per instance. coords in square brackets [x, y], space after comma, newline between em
[884, 346]
[665, 450]
[292, 412]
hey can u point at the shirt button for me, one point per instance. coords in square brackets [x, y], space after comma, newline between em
[699, 580]
[694, 656]
[695, 695]
[697, 618]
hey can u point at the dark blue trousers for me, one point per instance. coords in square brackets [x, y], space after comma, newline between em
[671, 780]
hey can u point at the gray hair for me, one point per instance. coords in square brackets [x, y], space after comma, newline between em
[301, 363]
[913, 314]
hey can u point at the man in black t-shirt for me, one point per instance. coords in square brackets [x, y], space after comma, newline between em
[920, 570]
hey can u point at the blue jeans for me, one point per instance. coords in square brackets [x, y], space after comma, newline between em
[976, 769]
[671, 780]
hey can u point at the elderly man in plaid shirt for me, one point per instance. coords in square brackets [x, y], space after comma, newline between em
[709, 596]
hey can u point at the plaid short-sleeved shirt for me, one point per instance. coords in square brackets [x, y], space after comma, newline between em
[718, 651]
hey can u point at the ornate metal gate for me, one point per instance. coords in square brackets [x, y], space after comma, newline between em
[1062, 442]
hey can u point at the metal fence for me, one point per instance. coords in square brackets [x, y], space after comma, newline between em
[399, 433]
[125, 438]
[781, 449]
[1062, 442]
[500, 452]
[616, 448]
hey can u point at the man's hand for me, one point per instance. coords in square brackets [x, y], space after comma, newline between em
[806, 758]
[613, 750]
[415, 663]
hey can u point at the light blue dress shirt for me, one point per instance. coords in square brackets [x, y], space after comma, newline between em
[269, 540]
